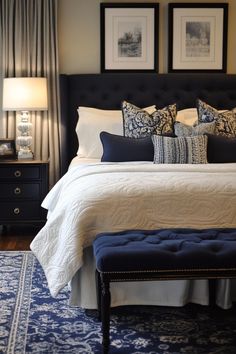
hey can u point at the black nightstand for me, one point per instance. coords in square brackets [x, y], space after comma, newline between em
[23, 186]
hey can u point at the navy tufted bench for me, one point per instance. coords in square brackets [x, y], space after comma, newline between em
[166, 254]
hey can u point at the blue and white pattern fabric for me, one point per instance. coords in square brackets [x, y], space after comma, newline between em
[206, 113]
[226, 124]
[180, 150]
[31, 321]
[139, 124]
[225, 120]
[182, 129]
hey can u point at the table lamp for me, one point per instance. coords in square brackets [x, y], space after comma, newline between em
[25, 94]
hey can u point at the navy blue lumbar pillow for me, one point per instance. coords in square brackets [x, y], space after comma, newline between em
[117, 148]
[221, 149]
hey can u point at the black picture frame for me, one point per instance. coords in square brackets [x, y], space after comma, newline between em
[197, 37]
[129, 37]
[7, 149]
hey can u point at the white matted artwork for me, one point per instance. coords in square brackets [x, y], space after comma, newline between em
[197, 37]
[129, 37]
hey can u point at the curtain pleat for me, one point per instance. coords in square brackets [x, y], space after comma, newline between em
[29, 47]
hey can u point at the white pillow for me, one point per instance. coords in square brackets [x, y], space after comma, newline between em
[187, 116]
[91, 122]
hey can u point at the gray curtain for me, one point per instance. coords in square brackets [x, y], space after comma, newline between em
[29, 47]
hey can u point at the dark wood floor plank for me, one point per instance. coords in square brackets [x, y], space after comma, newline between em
[17, 238]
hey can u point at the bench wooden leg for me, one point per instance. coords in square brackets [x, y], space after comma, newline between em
[212, 292]
[99, 293]
[105, 313]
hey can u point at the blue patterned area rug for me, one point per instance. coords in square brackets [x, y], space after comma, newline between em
[31, 321]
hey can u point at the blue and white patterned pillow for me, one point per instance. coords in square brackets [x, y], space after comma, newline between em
[226, 124]
[139, 124]
[225, 120]
[180, 150]
[182, 129]
[206, 113]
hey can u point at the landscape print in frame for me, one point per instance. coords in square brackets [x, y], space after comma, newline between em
[129, 37]
[198, 37]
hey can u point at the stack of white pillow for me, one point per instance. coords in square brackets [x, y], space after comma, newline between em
[93, 121]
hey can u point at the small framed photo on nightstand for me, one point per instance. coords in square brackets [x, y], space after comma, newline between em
[7, 149]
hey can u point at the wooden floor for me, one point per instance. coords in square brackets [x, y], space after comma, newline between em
[17, 238]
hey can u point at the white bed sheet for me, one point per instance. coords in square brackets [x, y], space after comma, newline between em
[66, 261]
[82, 161]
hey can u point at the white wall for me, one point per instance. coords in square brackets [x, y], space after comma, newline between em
[79, 35]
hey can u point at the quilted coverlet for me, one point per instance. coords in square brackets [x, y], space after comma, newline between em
[95, 198]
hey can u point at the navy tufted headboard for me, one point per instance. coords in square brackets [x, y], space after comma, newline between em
[106, 91]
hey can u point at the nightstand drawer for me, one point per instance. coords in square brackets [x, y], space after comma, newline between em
[20, 172]
[20, 190]
[20, 210]
[23, 186]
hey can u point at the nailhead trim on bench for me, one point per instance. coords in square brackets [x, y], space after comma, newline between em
[111, 250]
[170, 270]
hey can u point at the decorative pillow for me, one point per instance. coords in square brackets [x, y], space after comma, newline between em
[187, 116]
[139, 123]
[180, 150]
[225, 120]
[206, 113]
[221, 149]
[226, 124]
[92, 122]
[118, 148]
[182, 129]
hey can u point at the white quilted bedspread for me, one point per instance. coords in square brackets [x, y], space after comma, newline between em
[111, 197]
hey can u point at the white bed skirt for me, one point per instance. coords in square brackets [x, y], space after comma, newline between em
[160, 293]
[96, 198]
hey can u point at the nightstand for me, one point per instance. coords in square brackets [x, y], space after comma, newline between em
[23, 186]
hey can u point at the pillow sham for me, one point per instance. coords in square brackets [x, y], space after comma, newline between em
[139, 123]
[182, 129]
[118, 148]
[187, 116]
[225, 120]
[91, 122]
[180, 150]
[226, 124]
[206, 113]
[221, 149]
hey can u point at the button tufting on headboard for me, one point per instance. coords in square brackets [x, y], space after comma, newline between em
[107, 91]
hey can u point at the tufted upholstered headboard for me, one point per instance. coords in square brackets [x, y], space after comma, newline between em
[106, 91]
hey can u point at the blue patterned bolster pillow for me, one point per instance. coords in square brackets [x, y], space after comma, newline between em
[180, 150]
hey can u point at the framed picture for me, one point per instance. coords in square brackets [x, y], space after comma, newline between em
[198, 37]
[129, 37]
[7, 149]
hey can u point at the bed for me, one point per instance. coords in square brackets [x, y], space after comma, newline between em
[94, 197]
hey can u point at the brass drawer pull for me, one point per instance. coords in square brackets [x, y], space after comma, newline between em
[17, 190]
[17, 173]
[17, 211]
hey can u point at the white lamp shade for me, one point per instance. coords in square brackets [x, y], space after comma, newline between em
[25, 94]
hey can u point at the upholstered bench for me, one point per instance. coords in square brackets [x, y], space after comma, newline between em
[160, 255]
